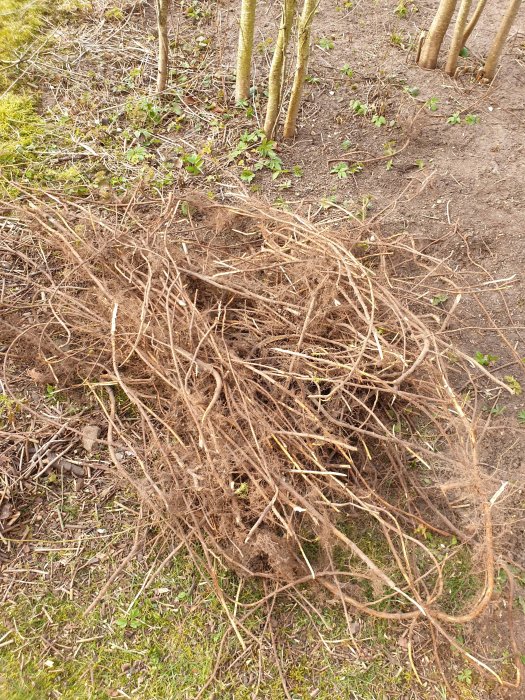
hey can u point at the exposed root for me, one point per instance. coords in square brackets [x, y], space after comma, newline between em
[287, 395]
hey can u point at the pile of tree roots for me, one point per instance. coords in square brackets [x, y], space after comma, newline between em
[282, 391]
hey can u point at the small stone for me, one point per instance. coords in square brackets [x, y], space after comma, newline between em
[77, 470]
[90, 434]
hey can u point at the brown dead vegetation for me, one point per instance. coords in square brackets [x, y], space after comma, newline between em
[289, 383]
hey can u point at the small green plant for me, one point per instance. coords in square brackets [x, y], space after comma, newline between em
[412, 91]
[454, 118]
[247, 140]
[51, 390]
[401, 9]
[464, 53]
[247, 175]
[257, 153]
[420, 163]
[378, 120]
[521, 416]
[432, 104]
[132, 620]
[266, 148]
[485, 359]
[439, 299]
[497, 410]
[325, 44]
[359, 108]
[355, 168]
[397, 39]
[327, 202]
[8, 410]
[465, 676]
[346, 70]
[193, 163]
[341, 170]
[242, 104]
[243, 490]
[197, 12]
[513, 383]
[114, 14]
[269, 158]
[136, 154]
[365, 205]
[144, 111]
[472, 119]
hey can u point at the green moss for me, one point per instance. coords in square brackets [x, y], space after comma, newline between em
[19, 22]
[462, 582]
[20, 125]
[166, 646]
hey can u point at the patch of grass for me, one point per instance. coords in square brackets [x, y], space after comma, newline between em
[166, 645]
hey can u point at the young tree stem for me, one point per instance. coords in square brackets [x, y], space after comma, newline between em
[430, 50]
[494, 54]
[245, 50]
[275, 79]
[162, 7]
[474, 20]
[303, 52]
[457, 38]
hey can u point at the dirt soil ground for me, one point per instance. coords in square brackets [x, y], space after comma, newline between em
[460, 168]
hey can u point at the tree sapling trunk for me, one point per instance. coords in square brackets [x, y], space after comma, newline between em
[474, 20]
[494, 55]
[457, 38]
[275, 79]
[162, 7]
[303, 52]
[430, 50]
[245, 50]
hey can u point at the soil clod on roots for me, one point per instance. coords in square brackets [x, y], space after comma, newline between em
[285, 395]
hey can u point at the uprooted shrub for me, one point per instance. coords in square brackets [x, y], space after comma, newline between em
[287, 392]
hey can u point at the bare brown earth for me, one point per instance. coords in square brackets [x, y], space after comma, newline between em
[465, 178]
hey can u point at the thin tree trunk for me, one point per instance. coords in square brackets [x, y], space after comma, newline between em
[474, 20]
[430, 49]
[245, 50]
[303, 52]
[163, 7]
[457, 38]
[275, 79]
[494, 55]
